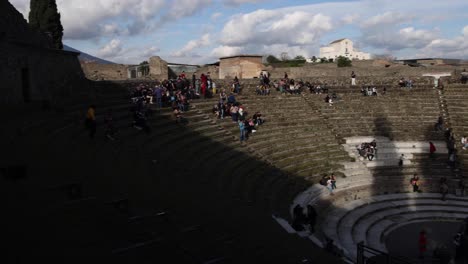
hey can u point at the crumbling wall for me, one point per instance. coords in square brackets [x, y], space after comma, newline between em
[102, 72]
[158, 69]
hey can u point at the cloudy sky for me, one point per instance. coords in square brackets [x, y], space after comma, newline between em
[201, 31]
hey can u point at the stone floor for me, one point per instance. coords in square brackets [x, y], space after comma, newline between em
[404, 240]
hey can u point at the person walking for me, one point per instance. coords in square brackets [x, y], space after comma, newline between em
[353, 78]
[415, 183]
[90, 121]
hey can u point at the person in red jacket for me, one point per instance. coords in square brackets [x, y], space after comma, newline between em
[204, 83]
[432, 149]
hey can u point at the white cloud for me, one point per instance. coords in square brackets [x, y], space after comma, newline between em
[111, 50]
[456, 47]
[22, 6]
[151, 51]
[86, 19]
[216, 15]
[184, 8]
[350, 19]
[204, 41]
[268, 27]
[387, 18]
[224, 51]
[240, 2]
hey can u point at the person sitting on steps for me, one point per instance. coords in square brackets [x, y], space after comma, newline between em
[415, 183]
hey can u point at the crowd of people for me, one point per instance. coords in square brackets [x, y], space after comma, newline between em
[370, 91]
[230, 107]
[367, 150]
[405, 83]
[329, 181]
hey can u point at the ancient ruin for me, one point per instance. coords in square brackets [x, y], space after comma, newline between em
[294, 166]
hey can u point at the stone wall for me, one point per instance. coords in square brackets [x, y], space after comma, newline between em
[30, 70]
[158, 69]
[212, 69]
[244, 67]
[102, 72]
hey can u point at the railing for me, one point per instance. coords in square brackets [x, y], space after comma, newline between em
[368, 255]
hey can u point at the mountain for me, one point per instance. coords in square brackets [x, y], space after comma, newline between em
[86, 58]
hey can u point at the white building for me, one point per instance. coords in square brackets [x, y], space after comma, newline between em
[343, 47]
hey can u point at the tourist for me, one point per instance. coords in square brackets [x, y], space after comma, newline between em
[234, 113]
[439, 126]
[311, 218]
[204, 84]
[452, 160]
[90, 121]
[402, 160]
[330, 185]
[432, 150]
[222, 110]
[158, 93]
[464, 142]
[215, 110]
[222, 96]
[242, 131]
[333, 181]
[353, 78]
[298, 218]
[415, 183]
[177, 115]
[231, 99]
[323, 180]
[444, 189]
[257, 118]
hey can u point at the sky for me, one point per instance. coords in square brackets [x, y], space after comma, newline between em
[201, 31]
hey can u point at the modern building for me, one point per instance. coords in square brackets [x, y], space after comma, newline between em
[429, 61]
[343, 47]
[242, 66]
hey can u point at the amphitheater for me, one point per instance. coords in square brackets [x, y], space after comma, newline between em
[192, 193]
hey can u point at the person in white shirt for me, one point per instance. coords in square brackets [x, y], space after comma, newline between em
[464, 142]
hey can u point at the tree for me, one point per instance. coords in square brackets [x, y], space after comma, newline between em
[272, 59]
[343, 62]
[45, 18]
[314, 59]
[144, 68]
[300, 57]
[284, 56]
[323, 60]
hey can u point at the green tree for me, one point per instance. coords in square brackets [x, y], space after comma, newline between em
[45, 18]
[144, 68]
[343, 62]
[314, 59]
[323, 60]
[300, 57]
[272, 59]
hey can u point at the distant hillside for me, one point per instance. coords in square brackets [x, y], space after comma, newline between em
[86, 58]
